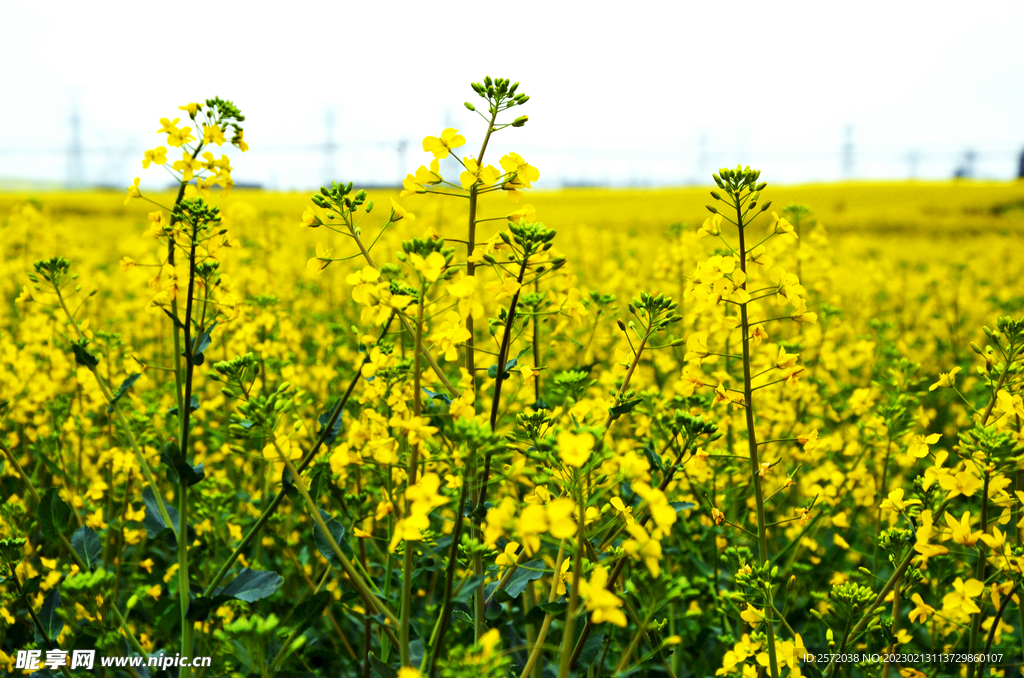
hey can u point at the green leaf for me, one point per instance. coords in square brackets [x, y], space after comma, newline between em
[121, 390]
[325, 416]
[589, 652]
[87, 545]
[312, 607]
[155, 525]
[468, 589]
[492, 371]
[199, 609]
[83, 357]
[193, 406]
[337, 531]
[178, 469]
[319, 477]
[556, 608]
[251, 585]
[523, 575]
[653, 457]
[623, 408]
[682, 505]
[30, 586]
[174, 319]
[379, 669]
[54, 515]
[443, 396]
[49, 619]
[202, 342]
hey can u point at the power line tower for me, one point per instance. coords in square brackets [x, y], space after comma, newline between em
[330, 147]
[702, 159]
[913, 160]
[76, 161]
[848, 153]
[403, 148]
[966, 168]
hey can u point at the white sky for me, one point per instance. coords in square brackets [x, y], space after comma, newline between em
[638, 92]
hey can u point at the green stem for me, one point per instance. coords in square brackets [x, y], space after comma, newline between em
[538, 646]
[895, 628]
[449, 577]
[995, 626]
[405, 323]
[755, 464]
[283, 652]
[1020, 542]
[979, 575]
[881, 490]
[147, 472]
[895, 577]
[506, 341]
[371, 600]
[35, 619]
[303, 463]
[74, 554]
[184, 415]
[617, 568]
[406, 611]
[471, 245]
[178, 387]
[574, 597]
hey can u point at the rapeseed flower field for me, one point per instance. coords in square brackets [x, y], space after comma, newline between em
[473, 428]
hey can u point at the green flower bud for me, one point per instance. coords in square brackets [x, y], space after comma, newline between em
[11, 550]
[469, 106]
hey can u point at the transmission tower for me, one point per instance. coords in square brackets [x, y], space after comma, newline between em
[848, 153]
[76, 161]
[702, 159]
[330, 148]
[403, 147]
[913, 160]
